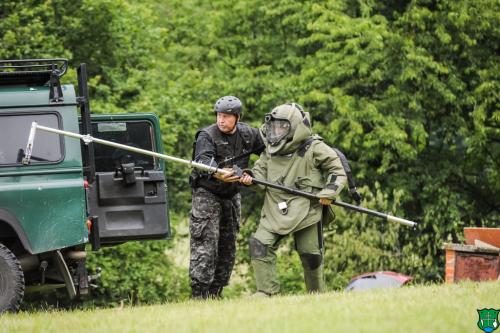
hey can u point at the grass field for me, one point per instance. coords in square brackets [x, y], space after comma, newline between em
[439, 308]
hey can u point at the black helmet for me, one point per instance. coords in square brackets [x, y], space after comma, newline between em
[229, 104]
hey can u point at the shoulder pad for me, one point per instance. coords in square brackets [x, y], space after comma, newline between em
[244, 128]
[197, 134]
[307, 144]
[212, 131]
[316, 137]
[246, 132]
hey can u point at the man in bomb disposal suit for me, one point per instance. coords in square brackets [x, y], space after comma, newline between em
[216, 204]
[294, 158]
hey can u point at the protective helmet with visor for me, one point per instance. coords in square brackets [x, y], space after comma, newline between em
[276, 129]
[277, 123]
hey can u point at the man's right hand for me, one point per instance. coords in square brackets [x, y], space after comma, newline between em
[246, 179]
[228, 177]
[325, 201]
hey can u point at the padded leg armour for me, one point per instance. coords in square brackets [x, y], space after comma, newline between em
[313, 272]
[266, 279]
[257, 249]
[264, 267]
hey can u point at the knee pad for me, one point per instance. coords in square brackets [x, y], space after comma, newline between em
[311, 261]
[257, 249]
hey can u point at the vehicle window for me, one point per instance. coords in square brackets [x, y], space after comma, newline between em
[137, 134]
[14, 132]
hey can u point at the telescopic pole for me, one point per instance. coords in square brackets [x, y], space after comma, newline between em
[211, 169]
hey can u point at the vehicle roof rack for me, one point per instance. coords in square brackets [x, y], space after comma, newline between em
[35, 72]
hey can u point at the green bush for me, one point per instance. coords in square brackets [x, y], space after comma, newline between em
[137, 273]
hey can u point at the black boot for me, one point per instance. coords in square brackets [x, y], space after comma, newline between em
[199, 292]
[215, 292]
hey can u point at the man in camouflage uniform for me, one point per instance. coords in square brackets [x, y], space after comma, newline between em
[216, 204]
[295, 158]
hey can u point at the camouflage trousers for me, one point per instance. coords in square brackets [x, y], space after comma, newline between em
[213, 226]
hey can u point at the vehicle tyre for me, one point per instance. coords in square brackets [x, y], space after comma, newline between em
[11, 281]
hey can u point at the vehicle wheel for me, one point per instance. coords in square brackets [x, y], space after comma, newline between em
[11, 281]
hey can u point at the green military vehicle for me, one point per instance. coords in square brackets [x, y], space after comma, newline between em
[70, 194]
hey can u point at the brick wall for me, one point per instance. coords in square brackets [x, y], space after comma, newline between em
[470, 263]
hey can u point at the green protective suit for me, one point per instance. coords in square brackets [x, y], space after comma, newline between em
[294, 158]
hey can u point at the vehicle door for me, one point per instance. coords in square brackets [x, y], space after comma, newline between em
[128, 199]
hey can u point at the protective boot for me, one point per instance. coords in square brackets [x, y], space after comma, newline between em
[260, 294]
[264, 266]
[266, 278]
[315, 282]
[313, 272]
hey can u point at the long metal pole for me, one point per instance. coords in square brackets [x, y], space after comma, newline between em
[88, 139]
[337, 203]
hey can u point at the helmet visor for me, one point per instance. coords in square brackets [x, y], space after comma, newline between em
[276, 129]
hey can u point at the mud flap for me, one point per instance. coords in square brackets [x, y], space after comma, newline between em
[65, 274]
